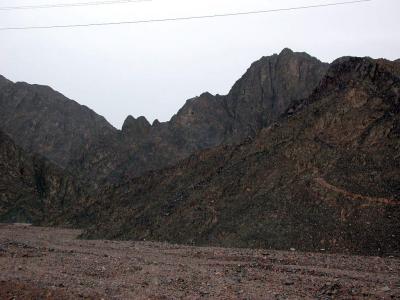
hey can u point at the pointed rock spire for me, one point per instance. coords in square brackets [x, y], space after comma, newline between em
[136, 127]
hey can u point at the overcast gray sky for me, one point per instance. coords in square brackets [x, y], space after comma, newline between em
[151, 69]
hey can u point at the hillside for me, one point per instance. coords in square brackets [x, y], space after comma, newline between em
[32, 189]
[326, 175]
[44, 121]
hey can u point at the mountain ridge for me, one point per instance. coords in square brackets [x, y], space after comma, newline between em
[89, 146]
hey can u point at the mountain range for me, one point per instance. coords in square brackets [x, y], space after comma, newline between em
[299, 154]
[74, 137]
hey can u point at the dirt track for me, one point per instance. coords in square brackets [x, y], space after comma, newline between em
[46, 263]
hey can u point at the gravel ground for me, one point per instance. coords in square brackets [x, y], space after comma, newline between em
[49, 263]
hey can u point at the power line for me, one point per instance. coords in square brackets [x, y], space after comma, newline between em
[186, 18]
[60, 5]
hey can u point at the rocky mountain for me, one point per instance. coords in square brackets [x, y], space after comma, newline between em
[257, 99]
[325, 175]
[32, 189]
[295, 156]
[265, 91]
[44, 121]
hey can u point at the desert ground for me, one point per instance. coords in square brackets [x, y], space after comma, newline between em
[49, 263]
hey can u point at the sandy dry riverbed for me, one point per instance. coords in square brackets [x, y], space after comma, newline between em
[48, 263]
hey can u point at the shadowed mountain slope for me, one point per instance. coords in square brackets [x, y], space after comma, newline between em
[43, 121]
[325, 175]
[32, 189]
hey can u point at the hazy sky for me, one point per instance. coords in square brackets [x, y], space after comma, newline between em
[151, 69]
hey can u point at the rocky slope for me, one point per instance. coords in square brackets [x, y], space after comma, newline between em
[32, 189]
[44, 121]
[325, 175]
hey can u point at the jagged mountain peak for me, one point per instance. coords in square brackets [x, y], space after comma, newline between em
[156, 122]
[206, 94]
[287, 51]
[132, 120]
[133, 126]
[287, 61]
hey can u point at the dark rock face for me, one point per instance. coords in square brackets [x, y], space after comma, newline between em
[33, 189]
[325, 175]
[136, 128]
[43, 121]
[269, 87]
[256, 100]
[4, 81]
